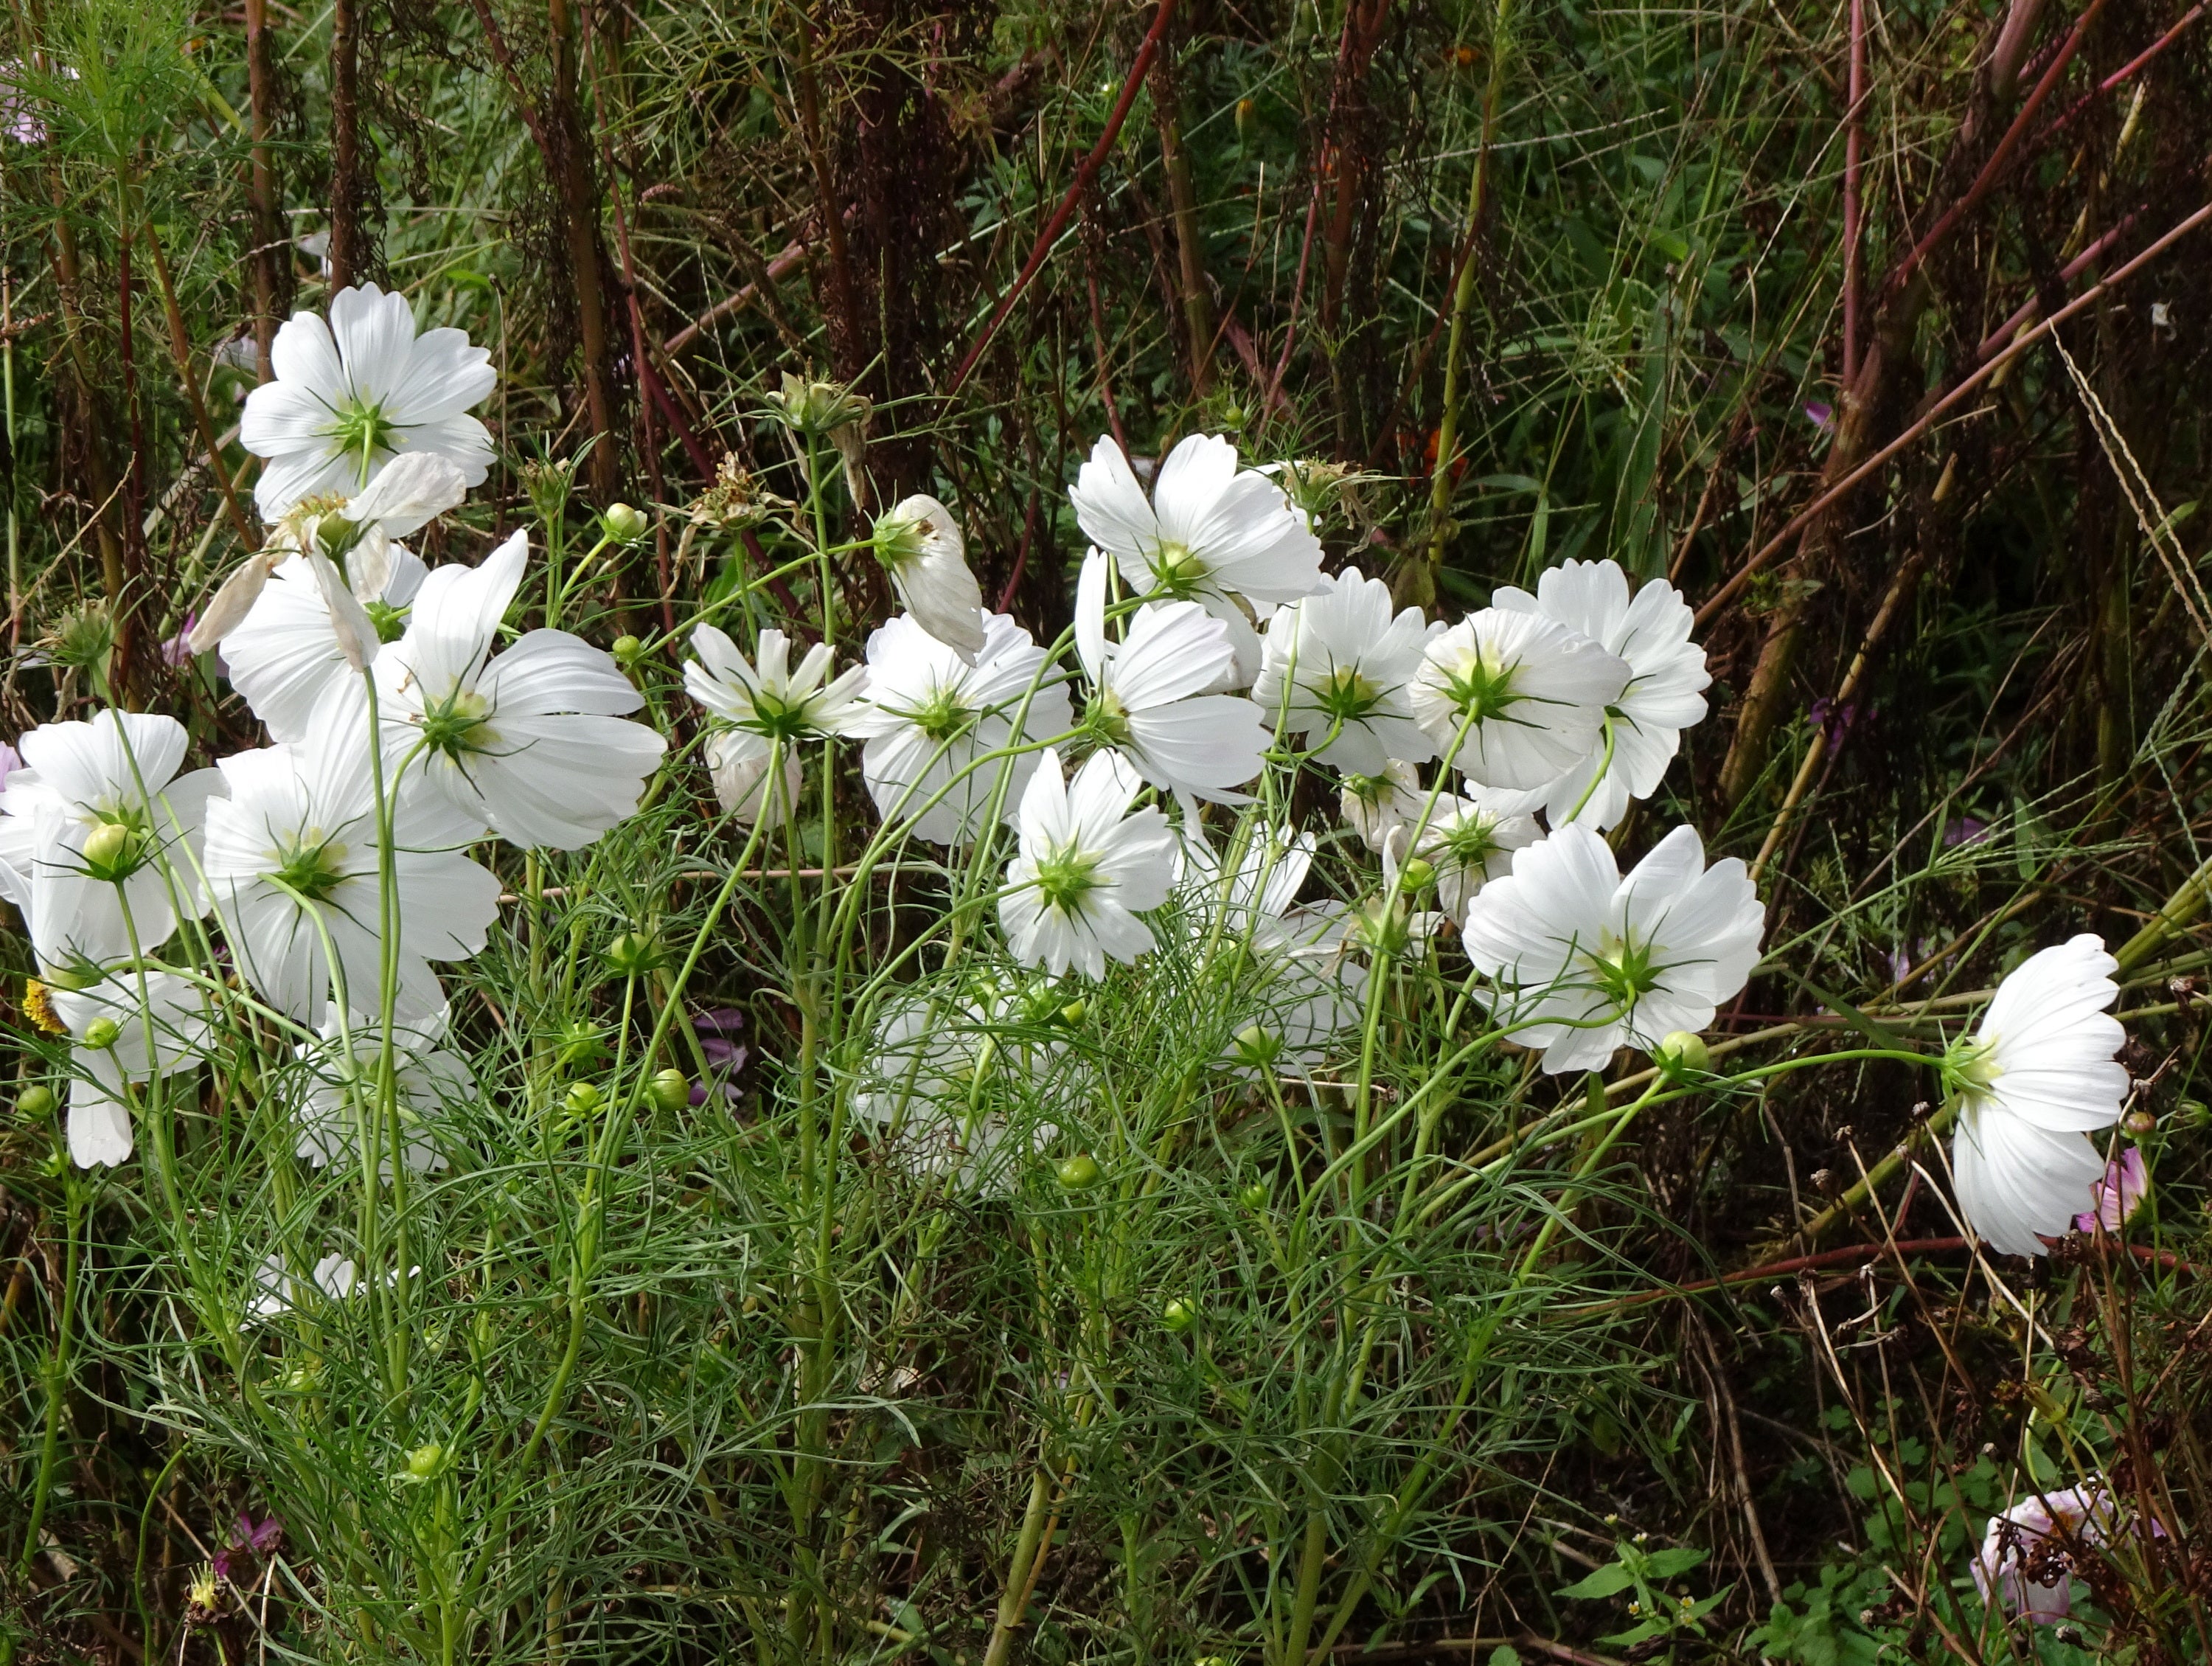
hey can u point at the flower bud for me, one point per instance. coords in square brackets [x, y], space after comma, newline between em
[35, 1102]
[306, 1377]
[623, 523]
[1257, 1047]
[101, 1034]
[633, 954]
[671, 1090]
[1077, 1173]
[583, 1099]
[1418, 874]
[820, 408]
[1073, 1012]
[2140, 1123]
[1179, 1315]
[1254, 1195]
[108, 850]
[1683, 1053]
[423, 1462]
[2194, 1114]
[627, 651]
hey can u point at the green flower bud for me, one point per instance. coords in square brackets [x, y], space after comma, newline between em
[671, 1090]
[1680, 1053]
[1073, 1013]
[108, 850]
[306, 1377]
[424, 1461]
[101, 1034]
[624, 524]
[812, 407]
[2141, 1124]
[627, 651]
[633, 954]
[2195, 1113]
[583, 1099]
[1418, 874]
[1179, 1316]
[36, 1103]
[1254, 1195]
[1257, 1047]
[1078, 1172]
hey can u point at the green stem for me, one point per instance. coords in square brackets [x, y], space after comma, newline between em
[57, 1375]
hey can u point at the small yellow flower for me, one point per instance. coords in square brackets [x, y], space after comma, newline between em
[38, 1007]
[203, 1594]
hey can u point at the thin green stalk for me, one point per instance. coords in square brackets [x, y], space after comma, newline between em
[56, 1374]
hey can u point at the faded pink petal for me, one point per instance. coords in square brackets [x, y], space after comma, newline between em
[2117, 1196]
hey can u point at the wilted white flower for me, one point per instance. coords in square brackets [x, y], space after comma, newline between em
[2029, 1553]
[1375, 804]
[1209, 533]
[154, 1024]
[351, 395]
[1667, 681]
[931, 719]
[921, 548]
[96, 821]
[2036, 1077]
[1587, 960]
[737, 763]
[339, 1094]
[530, 743]
[1339, 668]
[1088, 866]
[1530, 693]
[294, 846]
[1148, 694]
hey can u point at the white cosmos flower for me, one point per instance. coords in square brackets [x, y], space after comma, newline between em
[775, 702]
[1252, 893]
[921, 548]
[530, 742]
[1339, 669]
[1148, 694]
[97, 821]
[1297, 990]
[286, 655]
[1088, 866]
[1587, 959]
[930, 716]
[295, 844]
[338, 1098]
[1650, 630]
[1373, 804]
[1531, 693]
[1470, 840]
[2036, 1077]
[277, 1291]
[762, 707]
[1304, 996]
[158, 1036]
[1210, 533]
[351, 395]
[362, 532]
[937, 1073]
